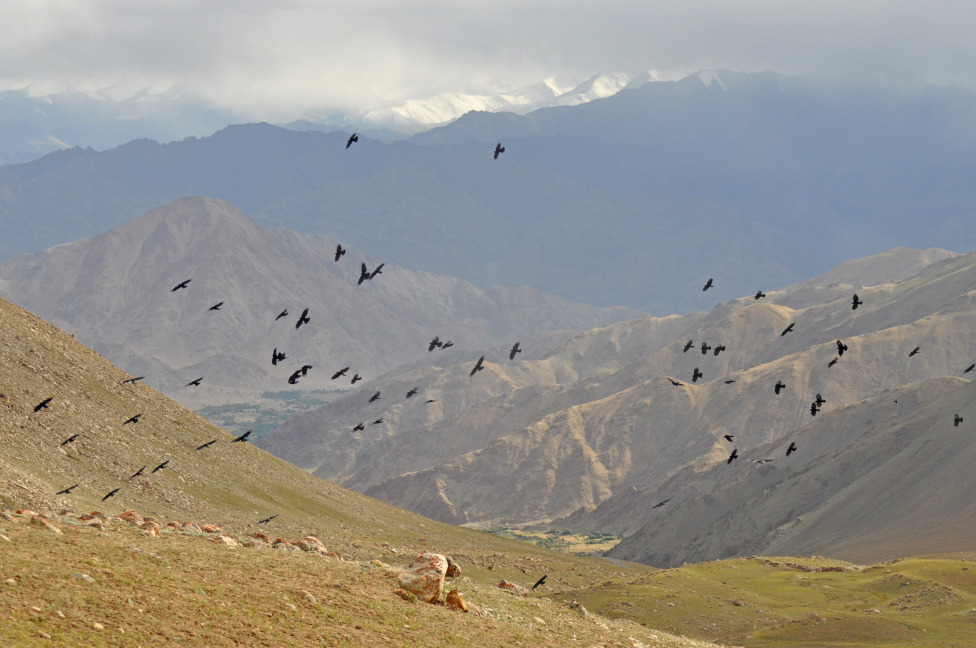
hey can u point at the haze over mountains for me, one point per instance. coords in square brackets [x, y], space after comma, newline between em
[761, 179]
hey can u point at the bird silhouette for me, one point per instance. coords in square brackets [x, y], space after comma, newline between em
[160, 466]
[216, 306]
[138, 472]
[688, 345]
[293, 379]
[447, 345]
[728, 437]
[305, 369]
[791, 449]
[957, 420]
[788, 329]
[729, 381]
[111, 493]
[832, 362]
[841, 347]
[719, 349]
[820, 400]
[661, 503]
[412, 392]
[67, 491]
[435, 343]
[375, 397]
[499, 149]
[779, 385]
[355, 378]
[341, 372]
[814, 409]
[242, 438]
[207, 444]
[675, 382]
[708, 284]
[71, 438]
[43, 404]
[855, 302]
[733, 456]
[478, 366]
[283, 313]
[377, 421]
[359, 427]
[970, 368]
[696, 375]
[182, 284]
[705, 348]
[277, 357]
[430, 400]
[515, 349]
[194, 383]
[759, 295]
[541, 581]
[302, 319]
[132, 380]
[133, 419]
[339, 252]
[268, 519]
[379, 270]
[352, 139]
[914, 351]
[363, 274]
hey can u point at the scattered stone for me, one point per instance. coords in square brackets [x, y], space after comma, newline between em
[260, 536]
[26, 513]
[43, 634]
[41, 522]
[283, 545]
[7, 516]
[151, 529]
[34, 608]
[98, 626]
[132, 518]
[424, 577]
[455, 602]
[10, 581]
[85, 577]
[514, 588]
[3, 537]
[211, 528]
[291, 606]
[453, 569]
[387, 545]
[311, 544]
[406, 596]
[539, 620]
[60, 614]
[96, 524]
[227, 541]
[254, 543]
[311, 599]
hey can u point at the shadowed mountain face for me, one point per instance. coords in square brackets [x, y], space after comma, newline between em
[116, 293]
[592, 434]
[754, 179]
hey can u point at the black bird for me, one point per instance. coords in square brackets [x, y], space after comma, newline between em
[341, 372]
[207, 444]
[914, 351]
[791, 449]
[302, 319]
[377, 421]
[855, 302]
[435, 343]
[242, 438]
[43, 404]
[375, 397]
[71, 438]
[359, 427]
[355, 378]
[182, 284]
[293, 379]
[788, 329]
[430, 400]
[729, 381]
[478, 366]
[411, 392]
[832, 362]
[719, 349]
[268, 519]
[705, 348]
[379, 270]
[352, 139]
[447, 345]
[660, 504]
[133, 419]
[160, 466]
[67, 491]
[541, 581]
[759, 295]
[733, 456]
[216, 306]
[499, 149]
[841, 347]
[194, 383]
[515, 349]
[814, 409]
[970, 368]
[708, 284]
[363, 274]
[779, 385]
[728, 437]
[138, 472]
[283, 313]
[276, 357]
[675, 382]
[132, 380]
[696, 375]
[305, 369]
[957, 420]
[112, 493]
[820, 400]
[339, 252]
[688, 345]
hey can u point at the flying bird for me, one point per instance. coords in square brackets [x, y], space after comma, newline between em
[133, 419]
[339, 252]
[675, 382]
[412, 392]
[283, 313]
[515, 349]
[341, 372]
[305, 369]
[67, 491]
[132, 380]
[541, 581]
[302, 319]
[719, 349]
[293, 379]
[379, 270]
[182, 284]
[447, 345]
[207, 444]
[112, 493]
[268, 519]
[660, 504]
[759, 295]
[708, 284]
[729, 381]
[138, 472]
[914, 351]
[352, 139]
[435, 343]
[363, 274]
[71, 438]
[820, 400]
[478, 366]
[832, 362]
[430, 400]
[277, 357]
[957, 420]
[841, 347]
[160, 466]
[377, 421]
[696, 375]
[375, 397]
[194, 383]
[855, 302]
[355, 378]
[688, 345]
[728, 437]
[242, 438]
[359, 427]
[43, 404]
[216, 306]
[499, 149]
[779, 385]
[705, 348]
[970, 368]
[733, 456]
[814, 409]
[791, 449]
[788, 329]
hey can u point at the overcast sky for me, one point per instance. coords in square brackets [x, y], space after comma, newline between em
[280, 55]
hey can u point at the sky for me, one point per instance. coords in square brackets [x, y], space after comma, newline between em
[278, 56]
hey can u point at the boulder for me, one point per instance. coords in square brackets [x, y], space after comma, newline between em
[424, 577]
[453, 569]
[514, 588]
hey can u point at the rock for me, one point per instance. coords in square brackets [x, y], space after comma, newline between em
[453, 569]
[150, 528]
[7, 516]
[227, 541]
[406, 596]
[85, 577]
[311, 599]
[131, 517]
[41, 522]
[43, 634]
[515, 589]
[26, 513]
[291, 606]
[311, 544]
[539, 620]
[424, 577]
[284, 545]
[98, 626]
[5, 538]
[211, 528]
[10, 581]
[260, 536]
[254, 543]
[455, 602]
